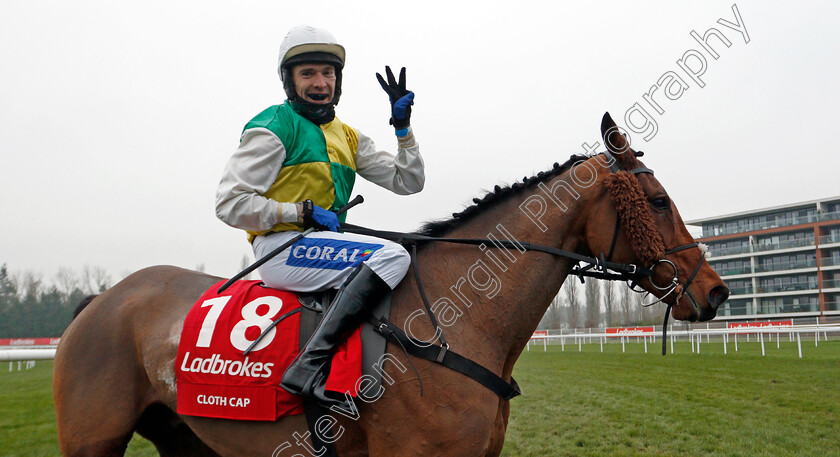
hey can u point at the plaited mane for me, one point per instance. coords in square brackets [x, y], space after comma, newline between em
[636, 219]
[625, 191]
[499, 193]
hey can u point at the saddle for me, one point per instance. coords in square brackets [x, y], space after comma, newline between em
[366, 382]
[373, 345]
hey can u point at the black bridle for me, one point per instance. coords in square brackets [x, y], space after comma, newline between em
[674, 284]
[601, 267]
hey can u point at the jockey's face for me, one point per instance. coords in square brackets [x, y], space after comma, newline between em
[314, 82]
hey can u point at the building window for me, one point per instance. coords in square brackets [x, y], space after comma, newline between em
[732, 267]
[832, 302]
[787, 262]
[831, 235]
[801, 304]
[729, 247]
[769, 305]
[831, 280]
[735, 308]
[740, 286]
[832, 258]
[787, 283]
[786, 240]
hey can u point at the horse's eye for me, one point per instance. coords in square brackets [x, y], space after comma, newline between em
[661, 203]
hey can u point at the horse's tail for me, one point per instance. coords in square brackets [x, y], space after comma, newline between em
[83, 304]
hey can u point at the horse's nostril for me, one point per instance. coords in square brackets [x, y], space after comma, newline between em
[718, 295]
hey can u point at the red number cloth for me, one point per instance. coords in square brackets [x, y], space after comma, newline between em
[218, 381]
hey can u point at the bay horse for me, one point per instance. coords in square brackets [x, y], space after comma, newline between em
[114, 368]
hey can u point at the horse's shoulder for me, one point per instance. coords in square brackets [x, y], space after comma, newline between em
[162, 278]
[168, 272]
[157, 289]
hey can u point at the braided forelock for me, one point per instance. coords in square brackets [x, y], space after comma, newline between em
[635, 216]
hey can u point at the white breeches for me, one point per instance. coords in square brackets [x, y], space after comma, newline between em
[324, 260]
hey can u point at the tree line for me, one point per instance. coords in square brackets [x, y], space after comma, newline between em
[31, 307]
[598, 303]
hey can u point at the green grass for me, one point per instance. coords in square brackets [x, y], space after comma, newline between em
[27, 420]
[595, 404]
[27, 417]
[636, 404]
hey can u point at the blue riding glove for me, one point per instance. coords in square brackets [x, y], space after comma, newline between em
[321, 219]
[401, 98]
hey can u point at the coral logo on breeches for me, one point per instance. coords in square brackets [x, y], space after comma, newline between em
[329, 254]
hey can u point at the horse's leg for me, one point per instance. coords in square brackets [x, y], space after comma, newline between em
[98, 394]
[170, 435]
[497, 438]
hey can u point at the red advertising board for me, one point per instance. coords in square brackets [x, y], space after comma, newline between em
[29, 341]
[629, 331]
[540, 334]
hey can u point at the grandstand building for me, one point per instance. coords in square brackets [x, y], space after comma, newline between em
[778, 262]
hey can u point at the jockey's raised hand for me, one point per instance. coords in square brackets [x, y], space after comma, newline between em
[400, 97]
[321, 219]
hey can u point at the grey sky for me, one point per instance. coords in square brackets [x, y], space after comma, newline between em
[116, 118]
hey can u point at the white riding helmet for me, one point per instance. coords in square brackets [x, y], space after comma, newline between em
[319, 45]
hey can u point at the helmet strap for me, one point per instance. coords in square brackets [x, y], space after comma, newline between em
[318, 114]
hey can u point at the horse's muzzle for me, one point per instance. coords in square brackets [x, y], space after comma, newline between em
[718, 295]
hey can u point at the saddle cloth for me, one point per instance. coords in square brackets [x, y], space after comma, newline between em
[214, 379]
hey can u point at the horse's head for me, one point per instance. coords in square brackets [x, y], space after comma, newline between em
[637, 223]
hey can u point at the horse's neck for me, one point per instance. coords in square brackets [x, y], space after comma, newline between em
[503, 293]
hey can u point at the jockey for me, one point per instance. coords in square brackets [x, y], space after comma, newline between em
[296, 163]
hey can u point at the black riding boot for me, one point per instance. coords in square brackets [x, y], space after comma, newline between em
[362, 290]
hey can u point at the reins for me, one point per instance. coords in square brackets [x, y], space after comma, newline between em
[600, 267]
[594, 267]
[441, 354]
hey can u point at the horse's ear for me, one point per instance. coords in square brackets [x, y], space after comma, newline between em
[616, 143]
[607, 123]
